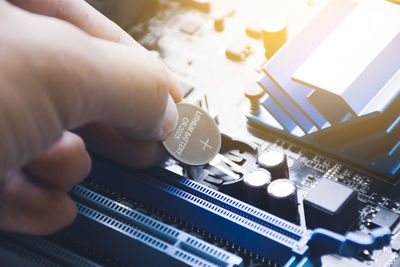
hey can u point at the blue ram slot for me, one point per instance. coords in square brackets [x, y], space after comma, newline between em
[14, 255]
[135, 246]
[243, 209]
[50, 250]
[161, 230]
[270, 237]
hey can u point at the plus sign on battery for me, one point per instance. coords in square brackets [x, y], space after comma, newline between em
[206, 145]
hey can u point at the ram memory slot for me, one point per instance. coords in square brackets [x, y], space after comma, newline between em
[14, 255]
[168, 234]
[49, 250]
[210, 210]
[243, 209]
[126, 243]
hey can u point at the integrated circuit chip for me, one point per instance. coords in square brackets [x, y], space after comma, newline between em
[385, 218]
[331, 205]
[238, 51]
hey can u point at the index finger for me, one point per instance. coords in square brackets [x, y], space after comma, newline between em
[85, 17]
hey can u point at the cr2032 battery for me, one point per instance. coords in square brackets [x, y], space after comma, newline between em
[196, 139]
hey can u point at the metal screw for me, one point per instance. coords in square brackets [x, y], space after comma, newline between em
[254, 93]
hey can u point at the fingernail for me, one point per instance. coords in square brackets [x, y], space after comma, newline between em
[171, 116]
[175, 87]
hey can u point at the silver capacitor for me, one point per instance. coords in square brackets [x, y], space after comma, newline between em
[255, 186]
[282, 199]
[275, 162]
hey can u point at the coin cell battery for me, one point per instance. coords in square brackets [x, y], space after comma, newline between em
[196, 139]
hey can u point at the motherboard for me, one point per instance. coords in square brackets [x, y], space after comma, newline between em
[266, 199]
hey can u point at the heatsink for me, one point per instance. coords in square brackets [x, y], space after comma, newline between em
[336, 85]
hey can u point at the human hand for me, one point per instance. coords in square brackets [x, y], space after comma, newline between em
[71, 68]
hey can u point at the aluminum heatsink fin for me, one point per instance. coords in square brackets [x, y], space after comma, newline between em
[286, 61]
[281, 116]
[380, 115]
[384, 99]
[286, 104]
[356, 60]
[363, 107]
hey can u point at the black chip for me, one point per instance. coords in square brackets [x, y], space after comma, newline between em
[331, 205]
[385, 218]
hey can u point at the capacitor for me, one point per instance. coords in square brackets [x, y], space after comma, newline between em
[274, 34]
[219, 21]
[275, 162]
[282, 199]
[202, 5]
[255, 186]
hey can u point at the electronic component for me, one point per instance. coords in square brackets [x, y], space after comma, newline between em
[228, 167]
[238, 50]
[282, 199]
[254, 30]
[221, 162]
[196, 139]
[219, 21]
[220, 17]
[331, 205]
[190, 25]
[274, 34]
[385, 218]
[275, 162]
[255, 187]
[202, 5]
